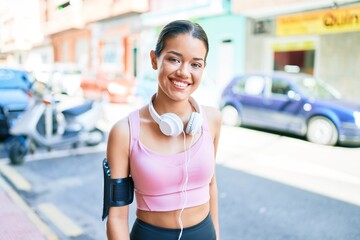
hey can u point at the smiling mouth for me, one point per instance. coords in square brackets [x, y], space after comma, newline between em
[180, 84]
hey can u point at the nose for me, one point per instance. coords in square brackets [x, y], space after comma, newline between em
[182, 71]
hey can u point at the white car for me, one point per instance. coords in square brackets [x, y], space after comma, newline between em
[61, 77]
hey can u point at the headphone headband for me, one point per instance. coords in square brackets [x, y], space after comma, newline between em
[171, 125]
[153, 112]
[157, 117]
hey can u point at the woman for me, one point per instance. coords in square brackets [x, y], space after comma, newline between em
[168, 147]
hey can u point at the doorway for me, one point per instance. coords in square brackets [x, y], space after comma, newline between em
[296, 56]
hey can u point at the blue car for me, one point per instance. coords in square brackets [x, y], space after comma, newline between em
[294, 103]
[14, 85]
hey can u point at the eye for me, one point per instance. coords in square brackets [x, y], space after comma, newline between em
[175, 60]
[196, 65]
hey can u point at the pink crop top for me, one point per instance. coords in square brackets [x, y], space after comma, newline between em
[159, 178]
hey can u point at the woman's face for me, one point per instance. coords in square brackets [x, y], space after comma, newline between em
[180, 66]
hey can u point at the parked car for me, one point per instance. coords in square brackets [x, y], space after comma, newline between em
[63, 78]
[14, 85]
[119, 89]
[295, 103]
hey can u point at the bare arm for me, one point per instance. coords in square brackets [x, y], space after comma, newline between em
[214, 117]
[118, 158]
[214, 206]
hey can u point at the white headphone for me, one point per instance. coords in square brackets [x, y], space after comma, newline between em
[171, 125]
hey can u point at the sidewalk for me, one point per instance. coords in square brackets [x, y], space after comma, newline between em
[17, 220]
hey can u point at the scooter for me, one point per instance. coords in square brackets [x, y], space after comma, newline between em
[41, 125]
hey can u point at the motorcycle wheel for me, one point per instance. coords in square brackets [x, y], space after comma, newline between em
[17, 152]
[94, 137]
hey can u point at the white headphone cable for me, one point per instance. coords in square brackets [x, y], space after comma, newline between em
[184, 188]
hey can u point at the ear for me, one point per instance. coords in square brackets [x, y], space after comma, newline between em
[153, 59]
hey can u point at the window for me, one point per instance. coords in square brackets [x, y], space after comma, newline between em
[254, 85]
[81, 52]
[280, 86]
[304, 59]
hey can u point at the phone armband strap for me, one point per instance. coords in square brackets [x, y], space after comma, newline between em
[117, 192]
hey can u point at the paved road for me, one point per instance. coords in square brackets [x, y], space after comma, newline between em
[270, 187]
[326, 170]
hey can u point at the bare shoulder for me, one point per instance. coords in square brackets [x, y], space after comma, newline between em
[120, 128]
[118, 148]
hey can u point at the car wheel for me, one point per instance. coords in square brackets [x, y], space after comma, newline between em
[322, 130]
[17, 151]
[230, 116]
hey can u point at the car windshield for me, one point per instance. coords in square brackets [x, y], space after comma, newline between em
[313, 88]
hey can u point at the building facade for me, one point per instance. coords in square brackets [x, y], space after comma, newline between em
[97, 35]
[320, 37]
[117, 35]
[20, 30]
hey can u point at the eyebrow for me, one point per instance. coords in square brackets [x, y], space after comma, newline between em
[180, 55]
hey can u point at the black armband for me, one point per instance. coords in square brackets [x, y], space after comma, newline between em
[117, 192]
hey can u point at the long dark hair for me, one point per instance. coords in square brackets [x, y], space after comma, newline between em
[177, 27]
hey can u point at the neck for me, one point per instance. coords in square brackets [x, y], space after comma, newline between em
[163, 104]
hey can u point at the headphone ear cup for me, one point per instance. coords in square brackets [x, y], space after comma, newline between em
[194, 125]
[171, 124]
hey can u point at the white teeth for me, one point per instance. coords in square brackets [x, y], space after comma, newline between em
[180, 84]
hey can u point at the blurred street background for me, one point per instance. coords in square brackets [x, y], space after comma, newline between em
[270, 187]
[288, 164]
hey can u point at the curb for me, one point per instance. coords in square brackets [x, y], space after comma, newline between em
[35, 220]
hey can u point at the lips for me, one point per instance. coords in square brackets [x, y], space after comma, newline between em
[180, 84]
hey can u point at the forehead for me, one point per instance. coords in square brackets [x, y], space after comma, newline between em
[186, 45]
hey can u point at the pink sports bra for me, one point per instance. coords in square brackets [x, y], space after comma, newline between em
[159, 178]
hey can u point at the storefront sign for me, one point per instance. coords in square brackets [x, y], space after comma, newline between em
[293, 46]
[319, 22]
